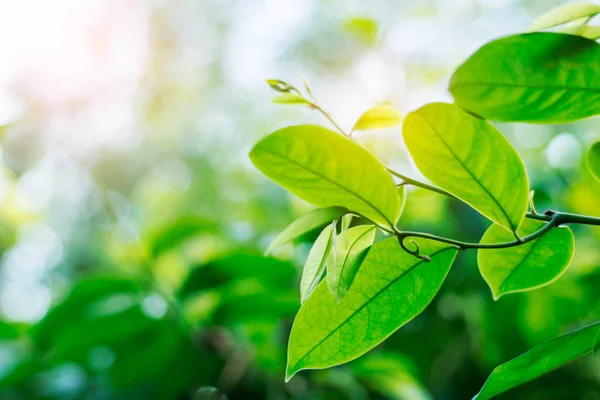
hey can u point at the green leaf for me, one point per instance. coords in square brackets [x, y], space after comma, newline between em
[528, 266]
[390, 289]
[563, 14]
[289, 98]
[316, 261]
[351, 249]
[469, 158]
[586, 31]
[281, 86]
[327, 169]
[541, 77]
[346, 221]
[539, 361]
[379, 117]
[305, 224]
[593, 159]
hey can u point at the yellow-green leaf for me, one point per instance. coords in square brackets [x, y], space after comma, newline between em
[586, 31]
[593, 159]
[469, 158]
[305, 224]
[563, 14]
[316, 261]
[351, 249]
[379, 117]
[327, 169]
[289, 98]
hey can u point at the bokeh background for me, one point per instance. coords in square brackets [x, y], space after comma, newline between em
[132, 223]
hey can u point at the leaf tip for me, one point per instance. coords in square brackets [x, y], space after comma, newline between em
[289, 373]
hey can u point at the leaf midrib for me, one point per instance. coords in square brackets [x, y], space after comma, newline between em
[387, 286]
[535, 243]
[471, 174]
[332, 182]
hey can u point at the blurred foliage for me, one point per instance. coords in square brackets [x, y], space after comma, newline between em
[132, 223]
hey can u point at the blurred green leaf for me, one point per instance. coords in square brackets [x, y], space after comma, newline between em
[563, 14]
[79, 305]
[290, 98]
[351, 249]
[528, 266]
[316, 261]
[593, 159]
[389, 374]
[314, 220]
[544, 77]
[325, 334]
[326, 169]
[539, 361]
[270, 271]
[469, 158]
[379, 117]
[364, 29]
[172, 235]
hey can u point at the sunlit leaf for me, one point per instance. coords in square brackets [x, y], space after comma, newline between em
[379, 117]
[469, 158]
[346, 221]
[539, 361]
[351, 249]
[316, 261]
[541, 77]
[563, 14]
[305, 224]
[326, 169]
[593, 159]
[289, 98]
[586, 31]
[528, 266]
[390, 289]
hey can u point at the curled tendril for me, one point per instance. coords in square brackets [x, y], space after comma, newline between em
[416, 252]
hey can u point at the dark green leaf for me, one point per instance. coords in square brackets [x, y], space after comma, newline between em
[539, 361]
[326, 169]
[390, 289]
[541, 77]
[469, 158]
[270, 271]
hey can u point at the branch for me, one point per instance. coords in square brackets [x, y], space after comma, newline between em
[553, 218]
